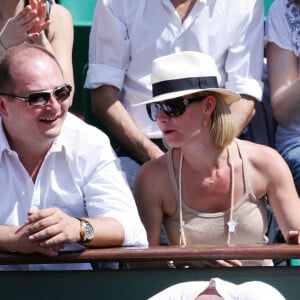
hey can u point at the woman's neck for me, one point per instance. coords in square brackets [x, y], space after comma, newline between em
[204, 156]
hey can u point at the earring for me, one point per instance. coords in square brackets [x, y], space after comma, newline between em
[206, 123]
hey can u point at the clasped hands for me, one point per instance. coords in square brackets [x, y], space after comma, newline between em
[27, 24]
[47, 231]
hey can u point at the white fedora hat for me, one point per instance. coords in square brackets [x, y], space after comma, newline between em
[184, 73]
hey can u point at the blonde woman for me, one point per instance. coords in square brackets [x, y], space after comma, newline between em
[209, 188]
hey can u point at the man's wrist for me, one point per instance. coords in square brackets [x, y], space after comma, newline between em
[86, 231]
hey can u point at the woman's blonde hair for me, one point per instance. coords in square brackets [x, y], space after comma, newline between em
[223, 129]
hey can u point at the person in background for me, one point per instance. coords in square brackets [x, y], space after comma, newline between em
[209, 188]
[40, 22]
[120, 62]
[61, 183]
[218, 289]
[283, 51]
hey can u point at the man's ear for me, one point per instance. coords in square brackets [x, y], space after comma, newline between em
[3, 107]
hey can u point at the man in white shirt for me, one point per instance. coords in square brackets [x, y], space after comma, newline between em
[61, 183]
[127, 35]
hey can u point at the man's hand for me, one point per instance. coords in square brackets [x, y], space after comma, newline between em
[22, 244]
[51, 228]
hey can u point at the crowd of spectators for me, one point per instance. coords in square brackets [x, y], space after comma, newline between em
[124, 42]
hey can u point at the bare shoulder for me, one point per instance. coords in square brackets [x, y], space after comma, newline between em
[153, 190]
[261, 157]
[154, 170]
[152, 181]
[61, 28]
[59, 13]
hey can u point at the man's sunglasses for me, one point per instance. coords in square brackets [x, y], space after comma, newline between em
[172, 107]
[41, 98]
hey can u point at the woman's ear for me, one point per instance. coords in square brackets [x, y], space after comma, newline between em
[210, 103]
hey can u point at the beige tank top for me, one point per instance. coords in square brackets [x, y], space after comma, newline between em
[211, 228]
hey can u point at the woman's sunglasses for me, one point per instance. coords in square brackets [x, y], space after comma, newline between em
[172, 107]
[41, 98]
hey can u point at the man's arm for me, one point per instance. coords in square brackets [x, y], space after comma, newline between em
[243, 111]
[51, 227]
[284, 80]
[107, 203]
[244, 64]
[114, 117]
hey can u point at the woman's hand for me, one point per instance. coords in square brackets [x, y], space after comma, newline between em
[15, 31]
[41, 11]
[293, 237]
[27, 24]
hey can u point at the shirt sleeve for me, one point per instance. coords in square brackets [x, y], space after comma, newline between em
[245, 56]
[103, 184]
[277, 28]
[108, 46]
[107, 194]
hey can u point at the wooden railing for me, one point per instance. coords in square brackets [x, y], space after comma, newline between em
[159, 253]
[142, 283]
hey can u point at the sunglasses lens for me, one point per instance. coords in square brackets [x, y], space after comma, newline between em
[153, 110]
[62, 93]
[42, 98]
[174, 107]
[38, 99]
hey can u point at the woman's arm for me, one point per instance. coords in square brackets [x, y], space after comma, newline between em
[281, 190]
[148, 200]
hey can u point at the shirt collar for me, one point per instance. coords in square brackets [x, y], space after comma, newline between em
[57, 146]
[4, 145]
